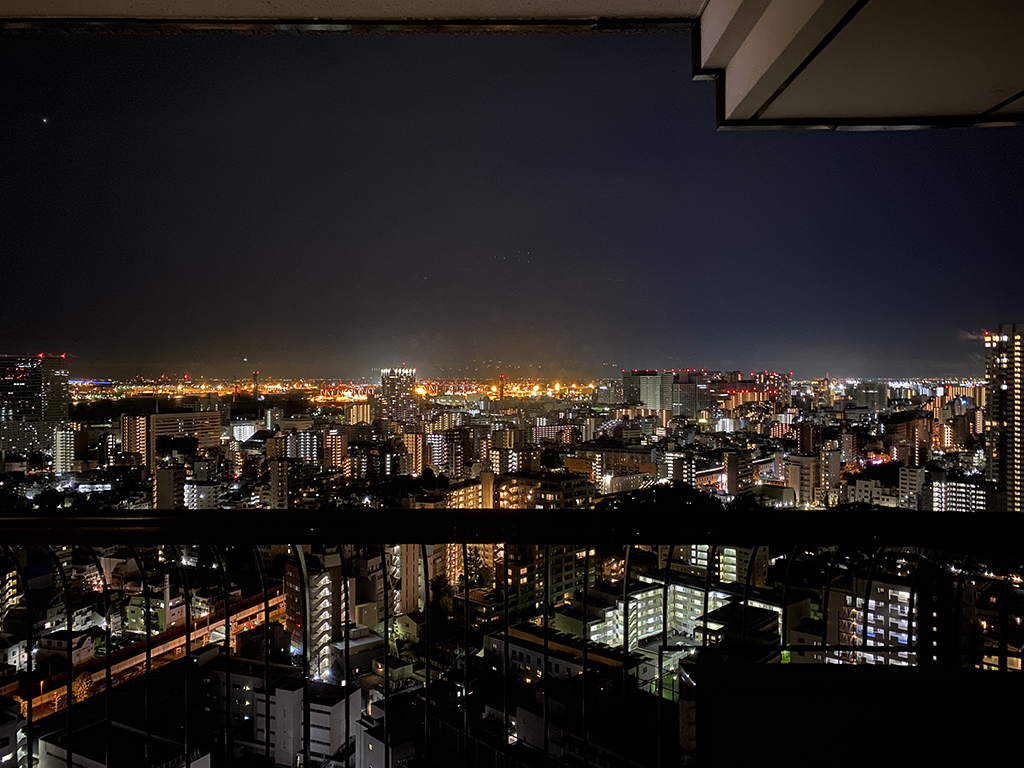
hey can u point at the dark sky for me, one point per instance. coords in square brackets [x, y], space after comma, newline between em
[325, 205]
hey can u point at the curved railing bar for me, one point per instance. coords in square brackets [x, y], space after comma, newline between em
[867, 596]
[304, 593]
[107, 684]
[625, 658]
[912, 639]
[69, 689]
[785, 600]
[147, 606]
[712, 552]
[746, 593]
[187, 598]
[586, 648]
[20, 572]
[425, 570]
[826, 593]
[228, 738]
[384, 576]
[261, 568]
[958, 600]
[348, 653]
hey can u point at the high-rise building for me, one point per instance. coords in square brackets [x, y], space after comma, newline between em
[728, 563]
[909, 436]
[284, 482]
[912, 481]
[139, 433]
[398, 393]
[414, 585]
[169, 487]
[204, 426]
[642, 387]
[63, 450]
[873, 395]
[308, 445]
[678, 465]
[885, 618]
[327, 610]
[202, 489]
[803, 475]
[650, 390]
[526, 576]
[335, 448]
[669, 386]
[33, 401]
[1004, 420]
[416, 446]
[135, 434]
[958, 495]
[738, 471]
[808, 437]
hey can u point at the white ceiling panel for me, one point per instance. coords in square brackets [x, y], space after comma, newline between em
[910, 58]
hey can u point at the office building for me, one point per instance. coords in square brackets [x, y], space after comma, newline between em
[1004, 420]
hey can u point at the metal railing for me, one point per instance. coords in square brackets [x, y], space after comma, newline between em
[566, 722]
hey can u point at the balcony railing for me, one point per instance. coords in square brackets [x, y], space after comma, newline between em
[174, 695]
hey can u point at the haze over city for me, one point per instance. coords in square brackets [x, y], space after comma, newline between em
[326, 206]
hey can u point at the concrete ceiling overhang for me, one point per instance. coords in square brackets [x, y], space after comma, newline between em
[835, 64]
[395, 11]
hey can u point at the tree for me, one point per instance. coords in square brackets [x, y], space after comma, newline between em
[440, 589]
[82, 687]
[473, 567]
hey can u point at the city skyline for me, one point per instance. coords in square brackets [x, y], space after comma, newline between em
[323, 206]
[484, 370]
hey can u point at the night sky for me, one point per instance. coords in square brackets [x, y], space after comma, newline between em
[324, 205]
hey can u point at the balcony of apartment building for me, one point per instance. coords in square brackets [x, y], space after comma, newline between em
[167, 695]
